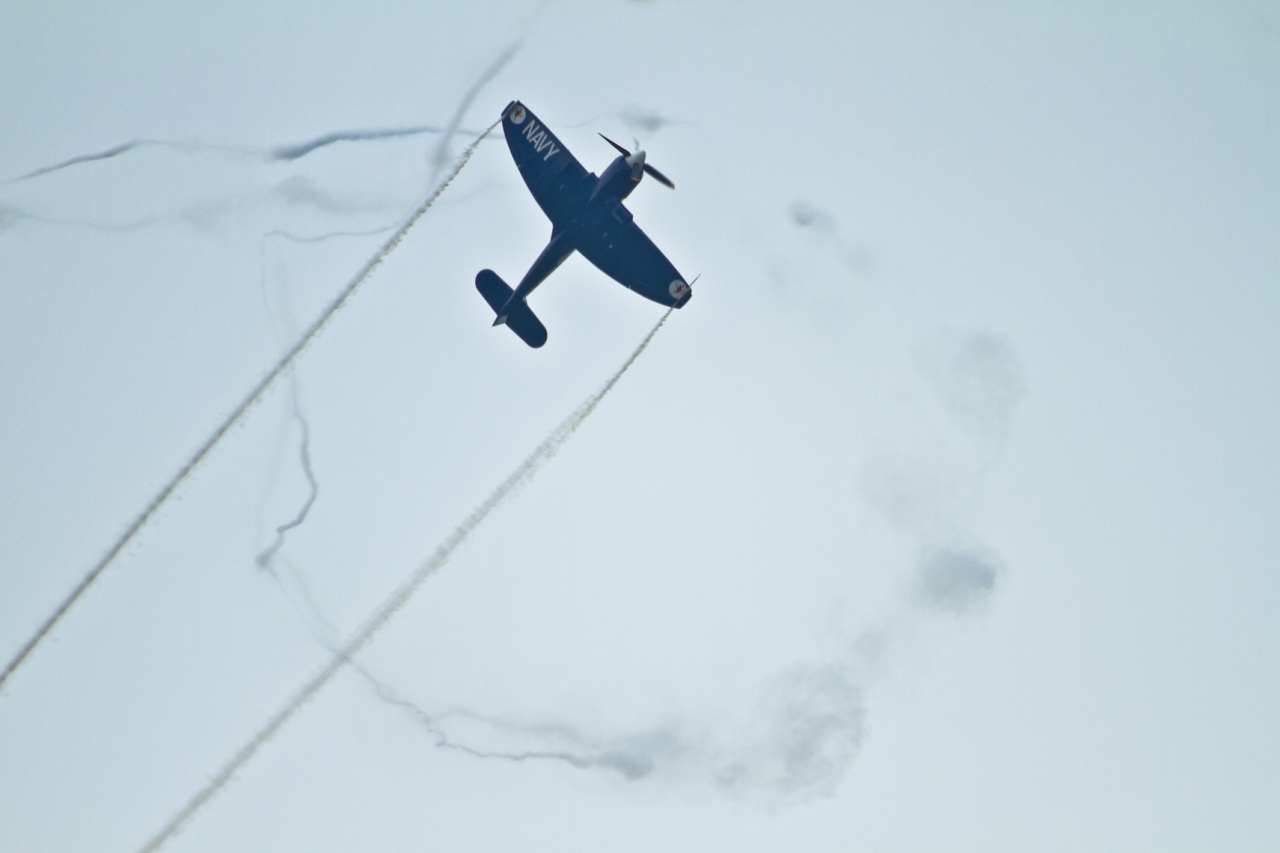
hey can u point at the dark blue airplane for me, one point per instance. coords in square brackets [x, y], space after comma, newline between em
[586, 215]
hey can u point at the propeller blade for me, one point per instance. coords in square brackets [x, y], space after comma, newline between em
[623, 151]
[658, 176]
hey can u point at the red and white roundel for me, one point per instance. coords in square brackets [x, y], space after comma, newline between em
[677, 289]
[517, 115]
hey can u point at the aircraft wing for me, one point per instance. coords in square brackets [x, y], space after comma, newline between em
[627, 255]
[559, 183]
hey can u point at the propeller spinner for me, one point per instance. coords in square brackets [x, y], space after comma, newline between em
[638, 157]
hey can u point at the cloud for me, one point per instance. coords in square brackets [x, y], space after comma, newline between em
[637, 118]
[979, 380]
[957, 581]
[806, 215]
[807, 729]
[301, 191]
[815, 264]
[907, 494]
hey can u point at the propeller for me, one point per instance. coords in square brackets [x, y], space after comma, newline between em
[631, 158]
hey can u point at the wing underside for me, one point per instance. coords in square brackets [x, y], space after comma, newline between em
[558, 182]
[629, 257]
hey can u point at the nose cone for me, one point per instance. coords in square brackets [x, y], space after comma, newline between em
[636, 160]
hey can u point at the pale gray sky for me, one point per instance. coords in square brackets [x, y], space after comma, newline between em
[943, 516]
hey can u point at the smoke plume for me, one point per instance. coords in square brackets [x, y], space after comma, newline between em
[253, 396]
[520, 476]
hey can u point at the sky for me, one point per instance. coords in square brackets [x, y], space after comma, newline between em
[943, 516]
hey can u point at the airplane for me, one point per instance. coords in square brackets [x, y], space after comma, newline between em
[586, 216]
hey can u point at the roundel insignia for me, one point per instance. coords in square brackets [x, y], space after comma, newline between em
[517, 115]
[677, 289]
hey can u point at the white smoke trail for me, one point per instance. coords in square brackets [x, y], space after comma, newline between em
[253, 397]
[520, 476]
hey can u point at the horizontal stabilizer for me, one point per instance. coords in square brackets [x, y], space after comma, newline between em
[519, 318]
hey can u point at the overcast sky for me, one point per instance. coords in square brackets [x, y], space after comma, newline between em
[943, 517]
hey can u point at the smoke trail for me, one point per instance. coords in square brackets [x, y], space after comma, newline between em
[328, 235]
[794, 743]
[520, 476]
[442, 148]
[302, 149]
[292, 192]
[281, 153]
[576, 751]
[88, 158]
[254, 395]
[581, 760]
[304, 453]
[293, 152]
[132, 144]
[266, 557]
[11, 215]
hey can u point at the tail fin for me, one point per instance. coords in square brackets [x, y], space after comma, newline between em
[519, 318]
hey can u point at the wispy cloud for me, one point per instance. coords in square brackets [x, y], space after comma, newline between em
[979, 380]
[957, 580]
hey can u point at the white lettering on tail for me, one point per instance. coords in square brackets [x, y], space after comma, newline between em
[540, 140]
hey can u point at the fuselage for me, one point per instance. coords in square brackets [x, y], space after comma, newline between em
[620, 179]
